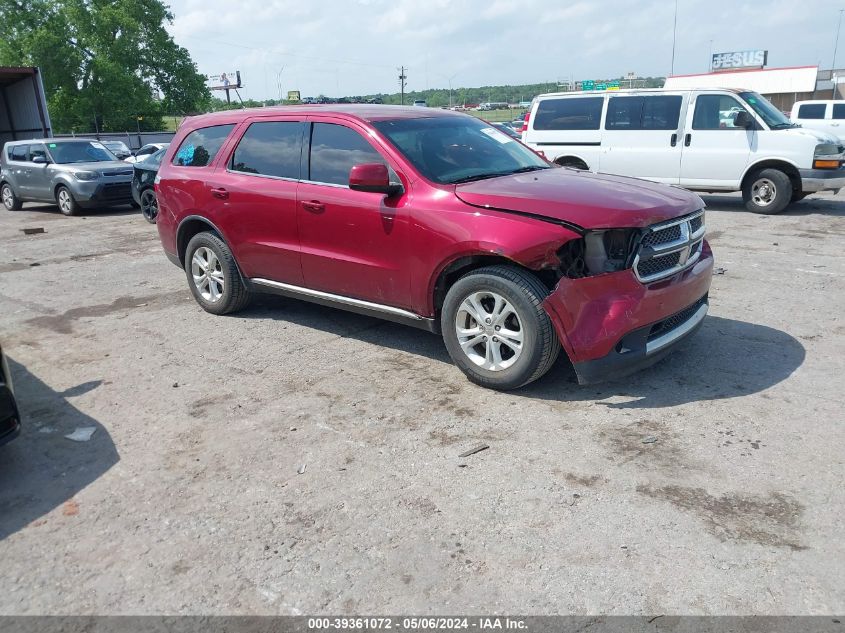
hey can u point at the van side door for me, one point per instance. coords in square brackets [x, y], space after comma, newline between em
[642, 136]
[715, 151]
[568, 129]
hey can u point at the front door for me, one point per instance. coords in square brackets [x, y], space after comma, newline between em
[715, 151]
[641, 137]
[39, 176]
[354, 243]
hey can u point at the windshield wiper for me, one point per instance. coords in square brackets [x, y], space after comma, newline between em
[783, 126]
[475, 177]
[525, 170]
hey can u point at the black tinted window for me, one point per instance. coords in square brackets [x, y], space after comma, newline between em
[811, 111]
[270, 148]
[37, 150]
[716, 112]
[643, 113]
[839, 111]
[201, 146]
[17, 152]
[335, 149]
[579, 113]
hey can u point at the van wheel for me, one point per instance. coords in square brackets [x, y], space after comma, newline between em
[67, 205]
[798, 196]
[495, 328]
[213, 275]
[573, 163]
[10, 200]
[767, 191]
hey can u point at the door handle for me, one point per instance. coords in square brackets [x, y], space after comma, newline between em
[834, 125]
[220, 192]
[674, 140]
[314, 206]
[687, 140]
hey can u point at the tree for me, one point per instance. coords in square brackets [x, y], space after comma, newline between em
[104, 62]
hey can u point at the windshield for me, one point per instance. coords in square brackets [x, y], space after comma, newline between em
[120, 146]
[773, 117]
[450, 150]
[65, 153]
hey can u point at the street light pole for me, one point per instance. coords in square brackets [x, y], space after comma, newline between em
[674, 33]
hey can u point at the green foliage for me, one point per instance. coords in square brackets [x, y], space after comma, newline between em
[106, 60]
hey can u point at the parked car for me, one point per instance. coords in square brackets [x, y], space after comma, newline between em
[705, 140]
[436, 219]
[73, 173]
[420, 103]
[826, 116]
[10, 420]
[146, 150]
[506, 128]
[118, 148]
[143, 184]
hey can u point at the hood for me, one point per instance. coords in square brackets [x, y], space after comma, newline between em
[591, 201]
[818, 135]
[106, 167]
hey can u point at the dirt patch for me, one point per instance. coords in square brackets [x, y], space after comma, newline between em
[647, 443]
[63, 323]
[588, 481]
[769, 521]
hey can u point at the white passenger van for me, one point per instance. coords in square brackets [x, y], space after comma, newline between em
[705, 140]
[827, 116]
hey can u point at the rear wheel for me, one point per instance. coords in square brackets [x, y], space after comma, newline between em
[10, 200]
[213, 275]
[573, 163]
[66, 202]
[495, 328]
[149, 205]
[767, 191]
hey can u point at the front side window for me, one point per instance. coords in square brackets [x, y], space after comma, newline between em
[37, 150]
[716, 112]
[764, 108]
[200, 147]
[65, 153]
[270, 148]
[577, 113]
[335, 149]
[450, 150]
[811, 111]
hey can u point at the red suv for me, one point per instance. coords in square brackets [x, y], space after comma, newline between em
[435, 219]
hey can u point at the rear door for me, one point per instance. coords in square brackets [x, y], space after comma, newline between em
[254, 193]
[17, 166]
[715, 151]
[641, 136]
[354, 243]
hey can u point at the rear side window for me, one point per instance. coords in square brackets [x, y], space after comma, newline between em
[839, 110]
[17, 152]
[811, 111]
[644, 113]
[270, 148]
[335, 149]
[201, 146]
[716, 112]
[569, 114]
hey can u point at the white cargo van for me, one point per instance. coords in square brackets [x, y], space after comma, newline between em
[827, 116]
[705, 140]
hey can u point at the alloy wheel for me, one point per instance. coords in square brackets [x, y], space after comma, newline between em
[149, 205]
[207, 273]
[65, 201]
[7, 197]
[489, 331]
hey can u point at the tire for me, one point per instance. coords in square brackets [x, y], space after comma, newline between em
[767, 191]
[10, 199]
[149, 205]
[798, 196]
[574, 163]
[67, 205]
[481, 290]
[223, 291]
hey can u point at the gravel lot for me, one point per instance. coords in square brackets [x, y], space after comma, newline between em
[188, 498]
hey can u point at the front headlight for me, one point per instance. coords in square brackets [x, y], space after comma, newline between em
[86, 175]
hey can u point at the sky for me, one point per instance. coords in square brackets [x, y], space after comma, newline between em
[355, 47]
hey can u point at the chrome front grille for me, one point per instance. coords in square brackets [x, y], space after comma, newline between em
[670, 247]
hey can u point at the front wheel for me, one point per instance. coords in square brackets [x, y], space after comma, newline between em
[149, 205]
[767, 191]
[495, 328]
[10, 200]
[213, 275]
[66, 202]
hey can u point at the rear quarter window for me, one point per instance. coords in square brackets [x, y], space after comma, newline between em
[200, 147]
[811, 111]
[16, 152]
[569, 114]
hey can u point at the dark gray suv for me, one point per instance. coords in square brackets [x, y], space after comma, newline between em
[73, 173]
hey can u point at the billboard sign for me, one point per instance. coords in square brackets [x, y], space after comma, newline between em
[739, 59]
[224, 81]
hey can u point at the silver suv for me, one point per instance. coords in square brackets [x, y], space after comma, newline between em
[73, 173]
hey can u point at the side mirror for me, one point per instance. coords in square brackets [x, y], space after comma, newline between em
[372, 177]
[743, 119]
[39, 160]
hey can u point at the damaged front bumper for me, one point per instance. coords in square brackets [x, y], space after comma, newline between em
[612, 325]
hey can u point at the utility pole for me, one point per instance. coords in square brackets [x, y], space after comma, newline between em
[835, 48]
[402, 78]
[674, 33]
